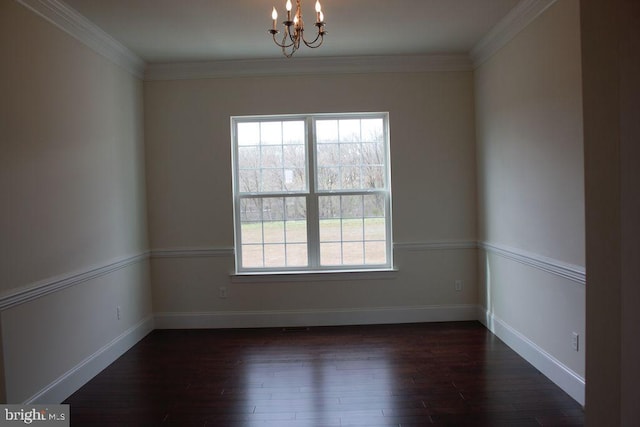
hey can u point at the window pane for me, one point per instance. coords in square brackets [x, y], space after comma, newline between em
[374, 229]
[294, 156]
[352, 253]
[250, 210]
[297, 255]
[373, 154]
[248, 133]
[349, 130]
[330, 230]
[352, 230]
[350, 178]
[248, 157]
[326, 131]
[328, 178]
[273, 231]
[271, 157]
[271, 133]
[351, 206]
[272, 180]
[273, 208]
[375, 253]
[329, 207]
[293, 132]
[252, 256]
[249, 180]
[251, 232]
[330, 254]
[372, 130]
[274, 256]
[350, 154]
[296, 231]
[373, 177]
[374, 205]
[295, 208]
[328, 155]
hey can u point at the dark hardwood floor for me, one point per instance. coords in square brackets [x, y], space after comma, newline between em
[446, 374]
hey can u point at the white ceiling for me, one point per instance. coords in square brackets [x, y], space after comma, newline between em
[209, 30]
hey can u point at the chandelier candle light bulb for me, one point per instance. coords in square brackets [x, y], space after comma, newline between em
[274, 15]
[292, 37]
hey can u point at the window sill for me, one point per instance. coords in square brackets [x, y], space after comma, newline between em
[314, 276]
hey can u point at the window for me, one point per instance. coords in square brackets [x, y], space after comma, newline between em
[312, 192]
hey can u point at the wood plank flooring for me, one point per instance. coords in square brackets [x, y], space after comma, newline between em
[441, 374]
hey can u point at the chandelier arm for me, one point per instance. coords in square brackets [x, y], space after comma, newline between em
[312, 44]
[286, 36]
[282, 44]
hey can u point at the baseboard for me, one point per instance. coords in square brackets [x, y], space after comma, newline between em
[334, 317]
[572, 383]
[80, 374]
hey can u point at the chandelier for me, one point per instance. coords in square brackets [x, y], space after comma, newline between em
[292, 37]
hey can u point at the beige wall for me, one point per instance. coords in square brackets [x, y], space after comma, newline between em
[531, 182]
[73, 199]
[187, 126]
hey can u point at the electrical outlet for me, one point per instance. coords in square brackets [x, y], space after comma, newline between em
[458, 285]
[118, 312]
[223, 292]
[575, 341]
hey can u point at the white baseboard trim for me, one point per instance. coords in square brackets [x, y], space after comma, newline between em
[572, 383]
[80, 374]
[334, 317]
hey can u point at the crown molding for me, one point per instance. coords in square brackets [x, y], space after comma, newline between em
[514, 22]
[72, 22]
[315, 65]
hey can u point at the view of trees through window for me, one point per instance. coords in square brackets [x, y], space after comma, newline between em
[337, 165]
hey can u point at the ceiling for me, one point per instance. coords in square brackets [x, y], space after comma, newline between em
[166, 31]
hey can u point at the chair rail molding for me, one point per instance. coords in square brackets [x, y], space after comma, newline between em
[54, 284]
[572, 272]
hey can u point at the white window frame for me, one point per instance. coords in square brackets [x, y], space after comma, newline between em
[312, 194]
